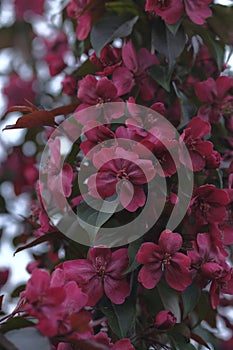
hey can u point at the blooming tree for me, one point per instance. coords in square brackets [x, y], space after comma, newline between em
[127, 109]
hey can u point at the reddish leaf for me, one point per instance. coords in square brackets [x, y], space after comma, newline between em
[46, 238]
[35, 117]
[199, 340]
[80, 322]
[21, 109]
[64, 110]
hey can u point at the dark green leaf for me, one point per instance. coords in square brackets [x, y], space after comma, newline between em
[86, 68]
[162, 75]
[221, 22]
[187, 106]
[121, 317]
[110, 27]
[174, 27]
[15, 323]
[180, 336]
[166, 43]
[124, 6]
[205, 311]
[170, 299]
[216, 47]
[92, 219]
[46, 238]
[15, 293]
[153, 301]
[28, 339]
[132, 251]
[190, 297]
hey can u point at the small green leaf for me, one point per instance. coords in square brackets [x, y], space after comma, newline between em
[166, 43]
[124, 6]
[190, 297]
[162, 75]
[180, 337]
[187, 106]
[221, 22]
[132, 252]
[174, 27]
[28, 339]
[15, 323]
[86, 68]
[121, 317]
[110, 27]
[216, 47]
[170, 299]
[92, 217]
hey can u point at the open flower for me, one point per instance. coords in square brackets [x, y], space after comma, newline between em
[164, 259]
[172, 10]
[124, 171]
[52, 303]
[217, 98]
[209, 204]
[192, 136]
[93, 92]
[135, 70]
[101, 273]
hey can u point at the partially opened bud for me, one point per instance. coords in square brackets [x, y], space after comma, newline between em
[165, 320]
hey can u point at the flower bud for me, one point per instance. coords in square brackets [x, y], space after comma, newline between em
[165, 320]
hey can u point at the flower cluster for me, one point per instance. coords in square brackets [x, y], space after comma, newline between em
[144, 96]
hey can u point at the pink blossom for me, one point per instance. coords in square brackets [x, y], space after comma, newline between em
[213, 160]
[56, 63]
[135, 70]
[59, 176]
[53, 304]
[165, 320]
[164, 259]
[85, 13]
[209, 204]
[17, 90]
[192, 136]
[69, 85]
[217, 96]
[110, 59]
[101, 273]
[172, 10]
[169, 10]
[198, 10]
[124, 171]
[93, 92]
[17, 163]
[122, 344]
[30, 7]
[96, 134]
[4, 275]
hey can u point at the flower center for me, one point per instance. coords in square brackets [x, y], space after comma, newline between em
[101, 100]
[122, 174]
[204, 207]
[163, 3]
[100, 266]
[166, 260]
[191, 144]
[227, 108]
